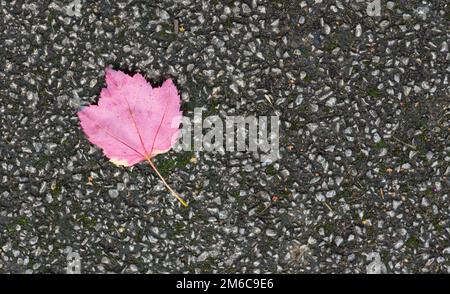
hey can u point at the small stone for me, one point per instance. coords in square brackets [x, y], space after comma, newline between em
[358, 30]
[271, 233]
[376, 138]
[113, 193]
[246, 9]
[376, 266]
[203, 256]
[331, 102]
[312, 127]
[331, 194]
[338, 241]
[326, 29]
[34, 240]
[396, 204]
[384, 24]
[299, 99]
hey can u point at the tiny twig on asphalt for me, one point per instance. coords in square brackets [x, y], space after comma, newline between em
[404, 143]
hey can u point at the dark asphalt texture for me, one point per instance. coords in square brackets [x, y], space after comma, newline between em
[364, 101]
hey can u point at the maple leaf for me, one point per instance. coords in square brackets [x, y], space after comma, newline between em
[133, 122]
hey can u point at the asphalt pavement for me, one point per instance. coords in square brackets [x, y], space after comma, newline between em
[363, 97]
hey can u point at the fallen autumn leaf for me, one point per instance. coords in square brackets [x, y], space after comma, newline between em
[133, 122]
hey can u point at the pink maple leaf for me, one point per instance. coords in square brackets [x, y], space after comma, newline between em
[133, 122]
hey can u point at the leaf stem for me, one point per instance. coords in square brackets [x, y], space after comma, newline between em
[165, 183]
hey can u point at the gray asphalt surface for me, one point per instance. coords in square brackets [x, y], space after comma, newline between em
[362, 184]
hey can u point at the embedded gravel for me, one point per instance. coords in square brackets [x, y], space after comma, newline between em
[364, 102]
